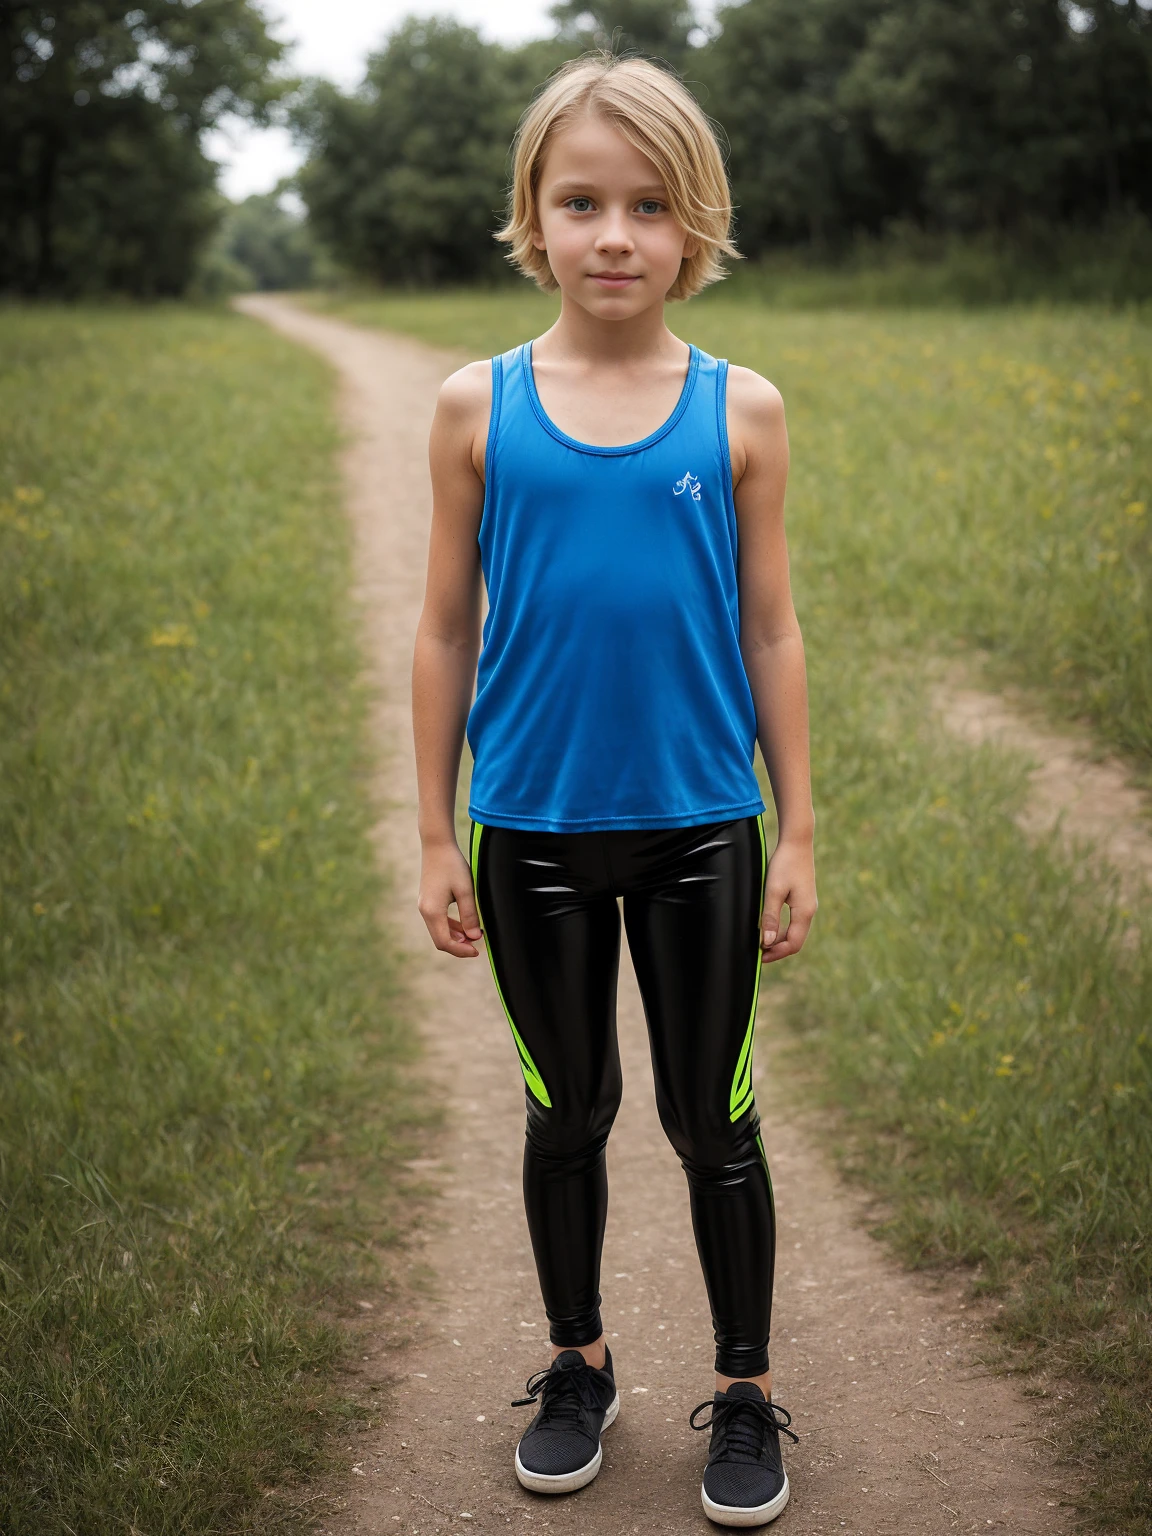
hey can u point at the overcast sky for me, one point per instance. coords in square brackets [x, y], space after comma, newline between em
[332, 38]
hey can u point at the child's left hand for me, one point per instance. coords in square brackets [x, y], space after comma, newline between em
[791, 882]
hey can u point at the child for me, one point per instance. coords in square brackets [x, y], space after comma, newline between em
[623, 495]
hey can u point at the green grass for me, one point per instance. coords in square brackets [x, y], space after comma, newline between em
[978, 1009]
[199, 1027]
[908, 267]
[473, 321]
[979, 1015]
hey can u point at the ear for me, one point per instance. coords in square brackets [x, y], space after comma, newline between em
[691, 247]
[538, 238]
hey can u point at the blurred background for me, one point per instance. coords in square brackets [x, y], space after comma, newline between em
[169, 148]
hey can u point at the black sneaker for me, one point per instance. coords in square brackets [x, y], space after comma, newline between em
[744, 1482]
[560, 1450]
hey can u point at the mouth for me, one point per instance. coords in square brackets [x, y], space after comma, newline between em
[614, 280]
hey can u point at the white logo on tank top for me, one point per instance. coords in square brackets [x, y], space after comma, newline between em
[688, 483]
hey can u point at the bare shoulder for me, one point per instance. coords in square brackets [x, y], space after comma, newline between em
[463, 407]
[757, 435]
[466, 393]
[753, 399]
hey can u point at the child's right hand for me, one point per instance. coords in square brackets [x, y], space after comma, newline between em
[446, 878]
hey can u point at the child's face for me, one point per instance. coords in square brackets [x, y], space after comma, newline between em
[603, 218]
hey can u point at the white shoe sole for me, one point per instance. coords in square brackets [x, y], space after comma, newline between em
[733, 1514]
[567, 1482]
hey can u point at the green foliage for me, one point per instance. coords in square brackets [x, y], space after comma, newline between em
[271, 247]
[976, 1007]
[844, 116]
[1033, 107]
[103, 185]
[658, 29]
[908, 267]
[198, 1025]
[803, 166]
[406, 178]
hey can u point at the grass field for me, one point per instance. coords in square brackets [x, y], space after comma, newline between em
[199, 1031]
[977, 1007]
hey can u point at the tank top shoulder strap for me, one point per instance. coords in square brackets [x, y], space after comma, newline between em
[509, 396]
[705, 408]
[506, 413]
[705, 421]
[720, 390]
[503, 368]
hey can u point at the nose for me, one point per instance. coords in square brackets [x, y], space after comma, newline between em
[614, 233]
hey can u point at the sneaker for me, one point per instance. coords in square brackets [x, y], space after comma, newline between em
[744, 1482]
[560, 1450]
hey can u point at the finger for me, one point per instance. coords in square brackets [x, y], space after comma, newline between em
[799, 928]
[460, 942]
[779, 951]
[459, 935]
[791, 941]
[466, 906]
[770, 922]
[440, 926]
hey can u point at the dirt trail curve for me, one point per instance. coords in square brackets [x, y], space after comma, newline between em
[1088, 796]
[900, 1431]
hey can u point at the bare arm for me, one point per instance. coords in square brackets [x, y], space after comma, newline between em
[773, 652]
[447, 647]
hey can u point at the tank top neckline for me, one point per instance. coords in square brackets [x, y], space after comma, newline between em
[602, 449]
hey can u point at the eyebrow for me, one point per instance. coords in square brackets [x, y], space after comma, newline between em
[572, 184]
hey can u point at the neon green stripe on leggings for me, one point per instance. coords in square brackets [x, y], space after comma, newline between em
[527, 1065]
[741, 1097]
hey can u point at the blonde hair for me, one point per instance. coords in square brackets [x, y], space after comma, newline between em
[660, 118]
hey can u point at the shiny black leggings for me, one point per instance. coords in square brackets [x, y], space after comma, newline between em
[692, 904]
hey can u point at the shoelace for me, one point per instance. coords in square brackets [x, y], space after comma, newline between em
[743, 1422]
[565, 1393]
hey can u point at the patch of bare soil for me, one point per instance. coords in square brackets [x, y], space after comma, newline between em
[901, 1431]
[1090, 799]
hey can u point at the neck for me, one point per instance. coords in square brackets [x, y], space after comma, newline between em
[639, 338]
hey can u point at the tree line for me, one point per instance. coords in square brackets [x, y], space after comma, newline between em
[104, 184]
[841, 117]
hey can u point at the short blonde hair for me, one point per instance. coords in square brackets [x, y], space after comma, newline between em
[661, 118]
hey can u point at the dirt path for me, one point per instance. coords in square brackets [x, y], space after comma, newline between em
[1090, 798]
[900, 1432]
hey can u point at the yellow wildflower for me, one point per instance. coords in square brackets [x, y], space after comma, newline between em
[173, 635]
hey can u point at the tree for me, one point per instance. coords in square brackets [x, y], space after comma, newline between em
[271, 246]
[405, 179]
[845, 115]
[102, 103]
[659, 29]
[1012, 110]
[804, 165]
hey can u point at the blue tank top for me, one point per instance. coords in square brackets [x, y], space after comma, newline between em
[611, 692]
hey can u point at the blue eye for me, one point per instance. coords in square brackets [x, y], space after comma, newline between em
[650, 205]
[580, 204]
